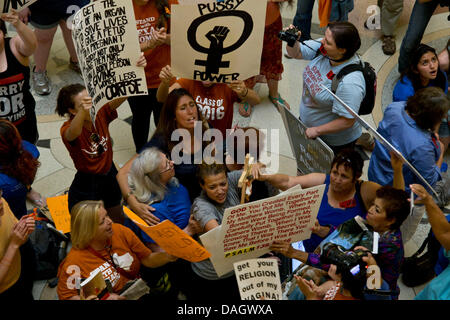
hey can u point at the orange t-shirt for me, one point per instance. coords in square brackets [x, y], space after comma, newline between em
[84, 151]
[7, 222]
[81, 263]
[157, 58]
[215, 102]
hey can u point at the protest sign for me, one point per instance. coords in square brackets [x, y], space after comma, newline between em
[217, 41]
[59, 209]
[18, 5]
[171, 238]
[248, 230]
[312, 155]
[382, 140]
[258, 279]
[106, 41]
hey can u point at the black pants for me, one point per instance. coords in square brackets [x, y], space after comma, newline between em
[87, 186]
[337, 149]
[22, 289]
[142, 108]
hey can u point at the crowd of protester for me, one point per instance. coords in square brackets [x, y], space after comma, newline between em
[194, 194]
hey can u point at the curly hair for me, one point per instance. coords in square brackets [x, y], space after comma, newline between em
[15, 161]
[350, 159]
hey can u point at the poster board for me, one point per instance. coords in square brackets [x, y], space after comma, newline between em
[382, 140]
[171, 238]
[59, 210]
[219, 41]
[18, 5]
[248, 230]
[106, 41]
[312, 155]
[258, 279]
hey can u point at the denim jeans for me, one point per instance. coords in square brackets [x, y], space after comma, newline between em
[420, 16]
[303, 17]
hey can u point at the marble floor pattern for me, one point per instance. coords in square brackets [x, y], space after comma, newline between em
[57, 171]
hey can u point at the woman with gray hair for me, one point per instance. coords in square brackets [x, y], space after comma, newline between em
[152, 181]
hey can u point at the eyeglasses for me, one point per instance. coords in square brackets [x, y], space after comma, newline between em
[95, 138]
[168, 165]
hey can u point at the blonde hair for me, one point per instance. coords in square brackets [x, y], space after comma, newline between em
[84, 223]
[144, 176]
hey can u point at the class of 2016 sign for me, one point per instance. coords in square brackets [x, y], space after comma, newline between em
[18, 5]
[106, 41]
[217, 41]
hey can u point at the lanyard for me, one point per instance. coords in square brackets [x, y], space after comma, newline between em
[111, 262]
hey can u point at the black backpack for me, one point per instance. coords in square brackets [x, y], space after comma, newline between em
[49, 247]
[370, 78]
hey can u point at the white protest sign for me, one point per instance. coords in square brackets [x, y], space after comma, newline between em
[18, 5]
[106, 41]
[217, 41]
[258, 279]
[381, 139]
[248, 230]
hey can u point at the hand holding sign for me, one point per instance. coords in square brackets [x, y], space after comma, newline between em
[12, 17]
[9, 5]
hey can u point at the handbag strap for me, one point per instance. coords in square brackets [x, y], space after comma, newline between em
[424, 244]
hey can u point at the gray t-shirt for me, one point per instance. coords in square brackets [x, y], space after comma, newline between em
[204, 210]
[318, 107]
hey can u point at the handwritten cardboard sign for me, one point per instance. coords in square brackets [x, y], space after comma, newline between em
[220, 41]
[248, 230]
[59, 209]
[171, 238]
[312, 155]
[18, 5]
[106, 41]
[258, 279]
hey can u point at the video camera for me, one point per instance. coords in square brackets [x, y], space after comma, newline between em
[345, 261]
[290, 36]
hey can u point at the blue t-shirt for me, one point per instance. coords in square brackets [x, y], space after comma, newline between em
[175, 207]
[318, 107]
[14, 191]
[329, 215]
[416, 145]
[404, 88]
[186, 173]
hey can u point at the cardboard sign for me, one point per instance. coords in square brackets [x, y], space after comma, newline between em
[59, 209]
[106, 41]
[258, 279]
[248, 230]
[312, 155]
[382, 140]
[18, 5]
[171, 238]
[217, 41]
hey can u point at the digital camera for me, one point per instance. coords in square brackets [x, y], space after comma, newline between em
[345, 261]
[290, 36]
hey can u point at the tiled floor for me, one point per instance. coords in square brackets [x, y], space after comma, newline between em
[57, 170]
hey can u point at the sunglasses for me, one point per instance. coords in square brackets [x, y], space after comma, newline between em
[95, 138]
[168, 165]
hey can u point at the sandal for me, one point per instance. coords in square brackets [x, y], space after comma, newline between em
[366, 141]
[245, 109]
[279, 101]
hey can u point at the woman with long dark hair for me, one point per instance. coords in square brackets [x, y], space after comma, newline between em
[18, 166]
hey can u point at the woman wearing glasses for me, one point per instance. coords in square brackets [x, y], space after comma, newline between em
[345, 195]
[152, 180]
[89, 145]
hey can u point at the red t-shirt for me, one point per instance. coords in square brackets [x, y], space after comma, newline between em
[157, 58]
[81, 263]
[84, 150]
[215, 102]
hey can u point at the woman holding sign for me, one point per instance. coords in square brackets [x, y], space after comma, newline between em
[98, 243]
[152, 180]
[153, 25]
